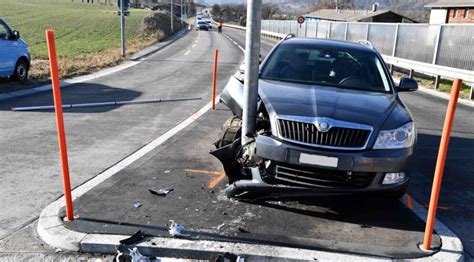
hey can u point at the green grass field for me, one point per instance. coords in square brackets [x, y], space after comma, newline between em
[80, 28]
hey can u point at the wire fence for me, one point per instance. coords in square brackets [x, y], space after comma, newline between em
[448, 45]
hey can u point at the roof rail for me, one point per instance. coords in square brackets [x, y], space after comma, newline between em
[288, 36]
[366, 43]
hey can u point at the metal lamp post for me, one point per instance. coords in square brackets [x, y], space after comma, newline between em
[252, 55]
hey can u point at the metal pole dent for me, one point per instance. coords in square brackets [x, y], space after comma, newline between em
[438, 176]
[60, 122]
[214, 80]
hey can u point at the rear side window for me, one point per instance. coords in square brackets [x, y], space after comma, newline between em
[313, 65]
[4, 32]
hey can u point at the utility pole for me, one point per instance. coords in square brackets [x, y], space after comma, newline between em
[171, 14]
[122, 27]
[182, 14]
[252, 57]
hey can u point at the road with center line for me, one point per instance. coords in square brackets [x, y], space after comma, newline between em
[455, 209]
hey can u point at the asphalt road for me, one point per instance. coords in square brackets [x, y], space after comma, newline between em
[101, 136]
[344, 224]
[457, 195]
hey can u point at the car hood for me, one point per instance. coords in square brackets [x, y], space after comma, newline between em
[362, 107]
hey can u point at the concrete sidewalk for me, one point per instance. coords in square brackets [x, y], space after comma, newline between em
[329, 228]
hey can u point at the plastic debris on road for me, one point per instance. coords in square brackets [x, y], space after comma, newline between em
[132, 255]
[243, 230]
[137, 205]
[176, 230]
[137, 257]
[138, 236]
[228, 257]
[161, 191]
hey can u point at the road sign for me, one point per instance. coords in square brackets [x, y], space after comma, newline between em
[126, 4]
[301, 19]
[126, 13]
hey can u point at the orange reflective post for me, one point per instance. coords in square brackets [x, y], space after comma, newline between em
[214, 80]
[443, 150]
[58, 108]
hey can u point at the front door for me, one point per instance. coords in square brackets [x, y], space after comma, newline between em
[8, 51]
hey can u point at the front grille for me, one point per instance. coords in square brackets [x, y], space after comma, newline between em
[321, 178]
[335, 137]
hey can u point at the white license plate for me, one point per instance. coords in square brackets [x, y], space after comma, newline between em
[318, 160]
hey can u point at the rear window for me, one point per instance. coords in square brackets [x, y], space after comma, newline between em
[313, 65]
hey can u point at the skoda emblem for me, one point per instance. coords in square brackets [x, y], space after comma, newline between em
[322, 126]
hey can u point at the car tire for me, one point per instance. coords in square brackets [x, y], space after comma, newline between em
[231, 131]
[21, 70]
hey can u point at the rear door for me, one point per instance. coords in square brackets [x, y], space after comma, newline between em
[8, 51]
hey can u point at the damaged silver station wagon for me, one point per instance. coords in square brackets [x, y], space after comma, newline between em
[329, 122]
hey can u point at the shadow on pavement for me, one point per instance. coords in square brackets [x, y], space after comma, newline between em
[75, 94]
[7, 85]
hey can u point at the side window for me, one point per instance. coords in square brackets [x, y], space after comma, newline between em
[4, 32]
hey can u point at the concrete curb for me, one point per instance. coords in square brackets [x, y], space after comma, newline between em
[442, 95]
[54, 233]
[445, 96]
[451, 246]
[134, 60]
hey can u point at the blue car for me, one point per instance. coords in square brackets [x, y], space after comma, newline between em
[15, 58]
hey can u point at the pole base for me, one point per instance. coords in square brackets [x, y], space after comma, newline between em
[432, 250]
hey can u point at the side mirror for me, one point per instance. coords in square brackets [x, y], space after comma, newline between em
[16, 35]
[407, 85]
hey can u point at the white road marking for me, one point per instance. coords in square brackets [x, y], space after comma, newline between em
[235, 43]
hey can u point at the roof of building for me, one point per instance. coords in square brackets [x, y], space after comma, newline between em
[347, 15]
[451, 3]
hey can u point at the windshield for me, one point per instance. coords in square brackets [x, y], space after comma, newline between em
[313, 65]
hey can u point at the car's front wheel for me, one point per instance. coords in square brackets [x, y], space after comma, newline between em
[231, 131]
[21, 70]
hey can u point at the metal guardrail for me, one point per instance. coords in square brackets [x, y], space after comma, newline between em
[430, 68]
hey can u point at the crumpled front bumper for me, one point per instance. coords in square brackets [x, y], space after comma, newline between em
[378, 162]
[357, 161]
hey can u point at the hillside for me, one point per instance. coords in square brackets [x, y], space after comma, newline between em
[410, 8]
[87, 35]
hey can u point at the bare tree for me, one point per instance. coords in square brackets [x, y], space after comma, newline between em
[269, 10]
[216, 10]
[333, 4]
